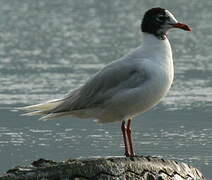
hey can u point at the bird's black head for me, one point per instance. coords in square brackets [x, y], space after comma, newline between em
[158, 21]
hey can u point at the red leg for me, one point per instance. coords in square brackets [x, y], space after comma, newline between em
[124, 133]
[129, 137]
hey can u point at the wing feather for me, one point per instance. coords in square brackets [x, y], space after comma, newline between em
[103, 86]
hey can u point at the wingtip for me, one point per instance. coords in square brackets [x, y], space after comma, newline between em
[18, 108]
[23, 108]
[32, 113]
[45, 118]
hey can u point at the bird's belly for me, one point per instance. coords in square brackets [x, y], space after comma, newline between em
[130, 107]
[132, 101]
[146, 99]
[149, 95]
[136, 100]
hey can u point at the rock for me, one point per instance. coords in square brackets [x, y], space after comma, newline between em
[112, 168]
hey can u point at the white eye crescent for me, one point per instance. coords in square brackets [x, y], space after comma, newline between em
[161, 18]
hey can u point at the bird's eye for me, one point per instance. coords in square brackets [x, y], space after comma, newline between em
[161, 18]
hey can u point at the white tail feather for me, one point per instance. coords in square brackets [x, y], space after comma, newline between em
[33, 113]
[46, 106]
[42, 109]
[54, 115]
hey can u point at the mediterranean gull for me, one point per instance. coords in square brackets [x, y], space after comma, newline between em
[126, 87]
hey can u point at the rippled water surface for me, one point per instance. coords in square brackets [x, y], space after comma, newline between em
[49, 47]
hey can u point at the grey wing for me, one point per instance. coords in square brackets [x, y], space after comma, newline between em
[104, 85]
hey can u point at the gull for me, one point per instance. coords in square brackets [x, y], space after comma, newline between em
[126, 87]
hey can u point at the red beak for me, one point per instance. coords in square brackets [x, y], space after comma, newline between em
[182, 26]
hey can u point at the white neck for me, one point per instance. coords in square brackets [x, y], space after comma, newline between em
[154, 47]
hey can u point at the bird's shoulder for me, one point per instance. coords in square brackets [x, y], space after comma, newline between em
[122, 72]
[125, 66]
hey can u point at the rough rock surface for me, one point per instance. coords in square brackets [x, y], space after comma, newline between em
[113, 168]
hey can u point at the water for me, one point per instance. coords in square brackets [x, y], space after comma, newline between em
[49, 47]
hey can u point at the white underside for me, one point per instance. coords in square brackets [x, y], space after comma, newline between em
[154, 57]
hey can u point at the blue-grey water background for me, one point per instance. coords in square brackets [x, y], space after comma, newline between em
[48, 47]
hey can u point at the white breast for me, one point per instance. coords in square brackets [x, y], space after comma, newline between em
[159, 65]
[156, 59]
